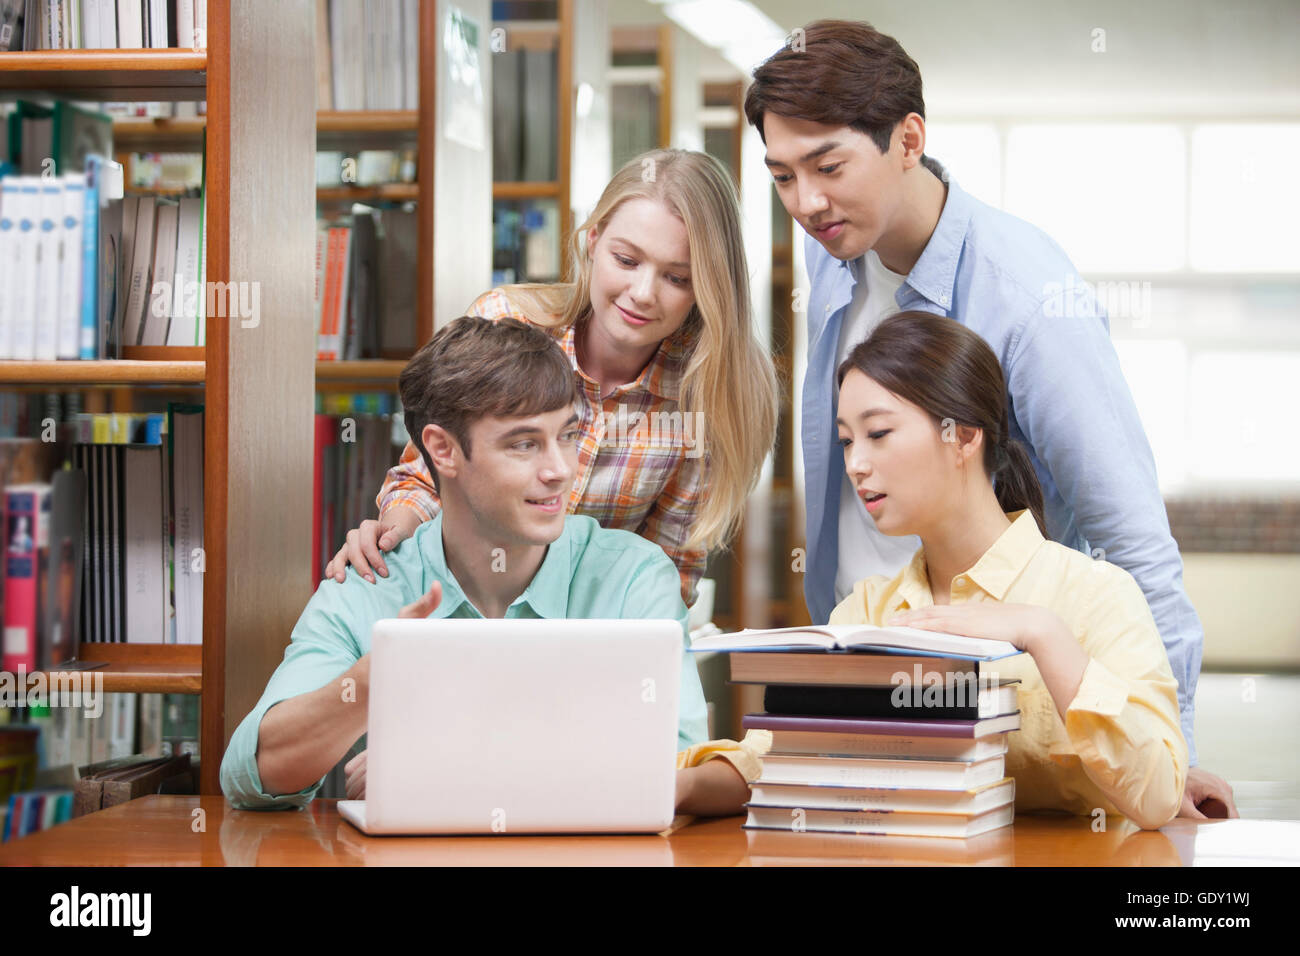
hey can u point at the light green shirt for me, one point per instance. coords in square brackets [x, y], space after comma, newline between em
[588, 572]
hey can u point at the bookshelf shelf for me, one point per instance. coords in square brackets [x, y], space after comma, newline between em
[106, 74]
[139, 668]
[367, 121]
[526, 190]
[106, 372]
[393, 192]
[365, 370]
[139, 133]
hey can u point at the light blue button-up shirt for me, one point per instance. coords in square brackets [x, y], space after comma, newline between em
[589, 572]
[1068, 402]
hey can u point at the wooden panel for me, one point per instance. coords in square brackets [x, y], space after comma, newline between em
[428, 152]
[216, 422]
[565, 91]
[270, 358]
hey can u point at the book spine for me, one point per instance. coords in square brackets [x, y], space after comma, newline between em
[28, 509]
[71, 255]
[89, 260]
[130, 25]
[9, 275]
[45, 348]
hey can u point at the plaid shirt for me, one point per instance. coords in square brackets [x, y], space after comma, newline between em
[640, 466]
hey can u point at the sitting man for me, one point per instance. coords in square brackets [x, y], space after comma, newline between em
[492, 407]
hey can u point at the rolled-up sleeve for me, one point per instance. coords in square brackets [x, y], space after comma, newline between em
[408, 484]
[321, 649]
[1123, 723]
[745, 755]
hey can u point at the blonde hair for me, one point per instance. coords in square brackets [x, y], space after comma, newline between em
[729, 376]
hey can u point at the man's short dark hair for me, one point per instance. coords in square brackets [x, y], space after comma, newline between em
[474, 367]
[839, 73]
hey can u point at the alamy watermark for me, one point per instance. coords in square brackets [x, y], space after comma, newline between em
[84, 689]
[241, 300]
[656, 429]
[1078, 298]
[938, 688]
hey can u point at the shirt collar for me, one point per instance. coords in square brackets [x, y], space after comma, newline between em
[547, 593]
[935, 272]
[1001, 564]
[995, 571]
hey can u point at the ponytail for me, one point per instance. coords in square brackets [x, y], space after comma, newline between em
[1015, 483]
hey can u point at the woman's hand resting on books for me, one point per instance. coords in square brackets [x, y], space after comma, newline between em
[366, 544]
[1059, 657]
[1028, 627]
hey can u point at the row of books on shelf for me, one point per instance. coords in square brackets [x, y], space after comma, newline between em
[59, 758]
[352, 454]
[111, 549]
[102, 24]
[887, 731]
[367, 54]
[85, 270]
[365, 284]
[367, 167]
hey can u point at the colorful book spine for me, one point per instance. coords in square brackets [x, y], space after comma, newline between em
[26, 534]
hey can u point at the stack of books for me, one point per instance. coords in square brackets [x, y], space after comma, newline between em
[877, 730]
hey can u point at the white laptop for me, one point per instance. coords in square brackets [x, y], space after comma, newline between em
[521, 726]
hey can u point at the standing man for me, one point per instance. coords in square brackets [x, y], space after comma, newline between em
[843, 119]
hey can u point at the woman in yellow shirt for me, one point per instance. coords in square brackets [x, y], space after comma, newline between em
[922, 419]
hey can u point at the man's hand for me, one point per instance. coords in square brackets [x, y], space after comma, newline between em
[1207, 797]
[365, 544]
[426, 605]
[356, 776]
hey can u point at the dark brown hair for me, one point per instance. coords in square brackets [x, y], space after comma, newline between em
[949, 372]
[475, 367]
[840, 73]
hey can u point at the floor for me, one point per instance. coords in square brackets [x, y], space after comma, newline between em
[1248, 732]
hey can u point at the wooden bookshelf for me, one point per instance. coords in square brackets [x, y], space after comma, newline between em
[145, 133]
[257, 381]
[105, 372]
[106, 75]
[361, 371]
[390, 192]
[139, 668]
[367, 121]
[526, 190]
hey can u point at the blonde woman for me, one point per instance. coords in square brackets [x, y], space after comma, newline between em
[679, 402]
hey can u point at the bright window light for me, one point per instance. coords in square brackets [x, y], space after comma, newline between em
[1244, 202]
[1156, 372]
[1241, 417]
[1112, 195]
[972, 154]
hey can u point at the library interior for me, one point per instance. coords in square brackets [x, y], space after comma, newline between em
[227, 227]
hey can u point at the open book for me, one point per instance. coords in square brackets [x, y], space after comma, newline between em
[866, 638]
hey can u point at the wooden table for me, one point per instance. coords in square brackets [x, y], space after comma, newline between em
[207, 831]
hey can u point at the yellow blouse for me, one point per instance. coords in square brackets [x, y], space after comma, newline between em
[1120, 747]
